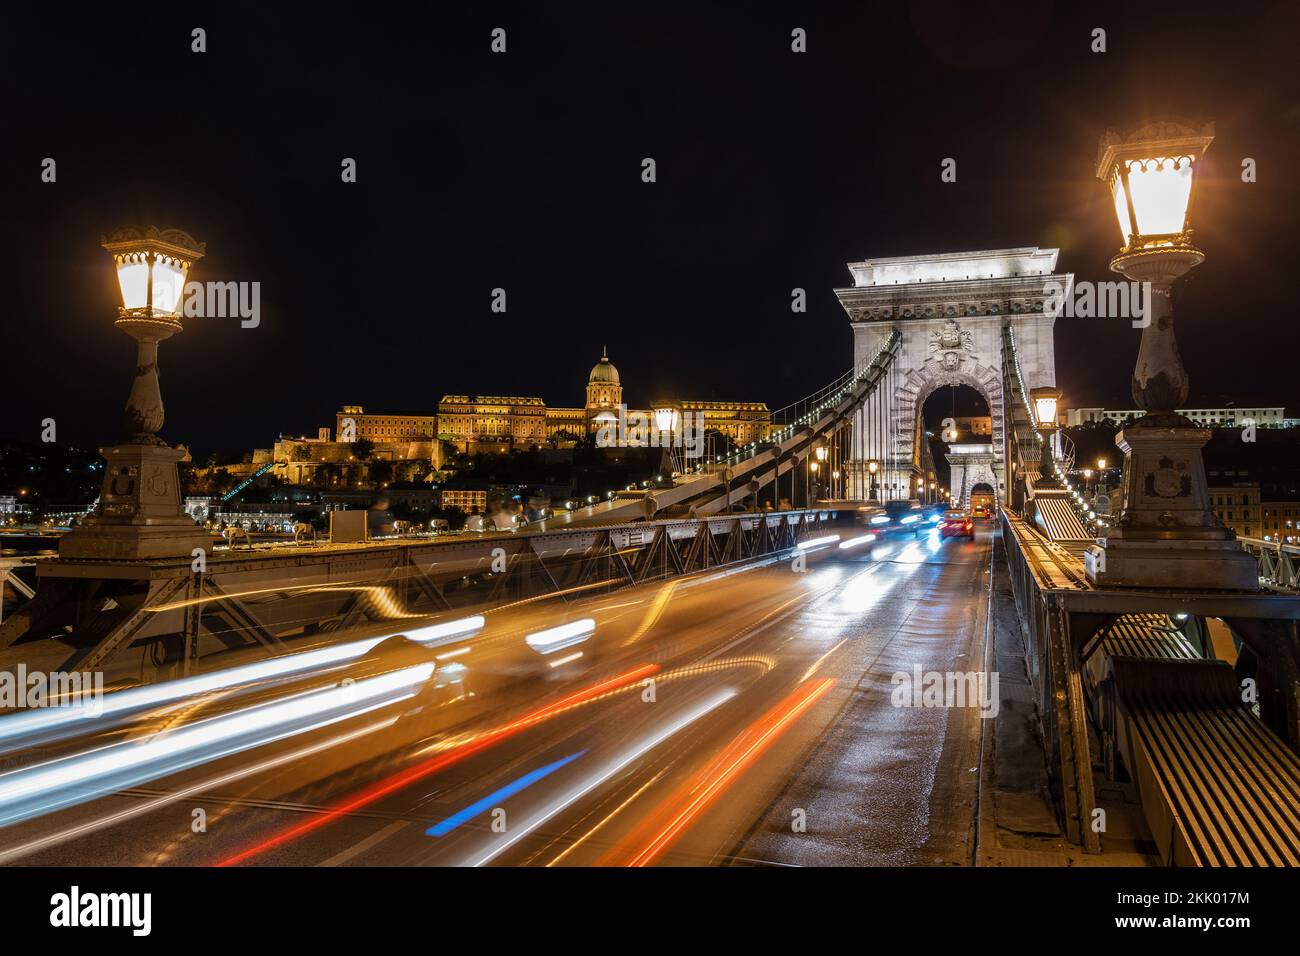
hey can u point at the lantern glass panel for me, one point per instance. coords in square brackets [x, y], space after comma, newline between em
[168, 284]
[1160, 189]
[133, 278]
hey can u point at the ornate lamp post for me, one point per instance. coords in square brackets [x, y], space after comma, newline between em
[873, 466]
[1045, 399]
[140, 513]
[1166, 534]
[668, 422]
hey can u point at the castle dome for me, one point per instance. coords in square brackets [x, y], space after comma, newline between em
[603, 372]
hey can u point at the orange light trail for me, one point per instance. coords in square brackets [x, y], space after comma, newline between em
[680, 810]
[406, 777]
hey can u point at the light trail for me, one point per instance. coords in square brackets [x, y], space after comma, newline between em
[814, 544]
[203, 786]
[406, 777]
[690, 800]
[642, 747]
[66, 781]
[499, 796]
[654, 612]
[816, 665]
[609, 816]
[43, 725]
[448, 632]
[558, 638]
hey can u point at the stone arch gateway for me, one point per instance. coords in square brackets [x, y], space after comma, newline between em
[950, 310]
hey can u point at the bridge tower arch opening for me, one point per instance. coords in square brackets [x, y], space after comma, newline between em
[950, 311]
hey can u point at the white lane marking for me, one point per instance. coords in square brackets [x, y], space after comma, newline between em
[338, 859]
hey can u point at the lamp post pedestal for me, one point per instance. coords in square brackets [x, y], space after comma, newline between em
[139, 513]
[1166, 533]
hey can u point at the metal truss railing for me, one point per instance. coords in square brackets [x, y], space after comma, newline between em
[1028, 453]
[813, 410]
[1279, 564]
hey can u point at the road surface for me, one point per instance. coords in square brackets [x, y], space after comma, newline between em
[727, 718]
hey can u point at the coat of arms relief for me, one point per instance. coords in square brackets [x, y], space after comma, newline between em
[950, 340]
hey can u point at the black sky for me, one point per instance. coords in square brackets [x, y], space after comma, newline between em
[522, 171]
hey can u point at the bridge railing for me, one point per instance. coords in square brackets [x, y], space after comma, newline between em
[1081, 676]
[1027, 444]
[825, 403]
[166, 617]
[1279, 564]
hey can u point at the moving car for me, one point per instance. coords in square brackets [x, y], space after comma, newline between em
[901, 517]
[957, 524]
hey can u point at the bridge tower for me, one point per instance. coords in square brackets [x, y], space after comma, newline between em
[971, 464]
[950, 309]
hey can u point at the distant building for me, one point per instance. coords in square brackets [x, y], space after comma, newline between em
[1237, 505]
[469, 500]
[499, 422]
[352, 423]
[970, 425]
[1225, 416]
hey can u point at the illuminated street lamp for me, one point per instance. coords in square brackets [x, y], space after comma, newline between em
[139, 514]
[152, 268]
[668, 419]
[873, 466]
[1045, 399]
[1166, 534]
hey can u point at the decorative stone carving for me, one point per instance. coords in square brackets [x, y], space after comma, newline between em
[951, 336]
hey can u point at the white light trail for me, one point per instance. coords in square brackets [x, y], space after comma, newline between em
[447, 632]
[211, 783]
[558, 638]
[817, 542]
[77, 778]
[66, 719]
[642, 747]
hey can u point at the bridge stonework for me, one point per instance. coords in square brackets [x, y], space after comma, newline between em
[950, 310]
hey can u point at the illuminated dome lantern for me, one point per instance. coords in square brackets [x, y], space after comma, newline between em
[604, 371]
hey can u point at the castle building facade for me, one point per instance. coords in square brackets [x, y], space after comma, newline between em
[503, 421]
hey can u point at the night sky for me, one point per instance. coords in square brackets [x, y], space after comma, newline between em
[522, 171]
